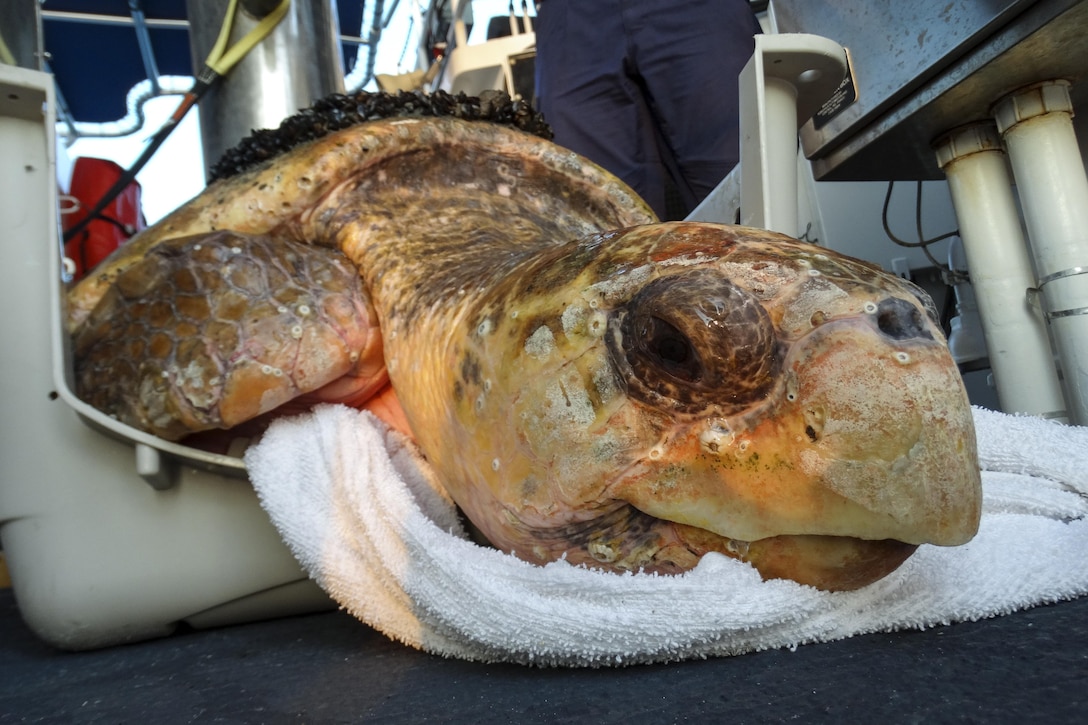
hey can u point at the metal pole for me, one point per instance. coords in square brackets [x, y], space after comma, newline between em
[1037, 127]
[290, 69]
[143, 40]
[783, 84]
[1000, 267]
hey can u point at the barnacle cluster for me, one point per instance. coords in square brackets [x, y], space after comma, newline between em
[340, 111]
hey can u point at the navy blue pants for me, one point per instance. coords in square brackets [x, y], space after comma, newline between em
[646, 88]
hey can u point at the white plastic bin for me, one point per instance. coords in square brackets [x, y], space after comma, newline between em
[110, 535]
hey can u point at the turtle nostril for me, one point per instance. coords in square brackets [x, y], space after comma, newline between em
[901, 320]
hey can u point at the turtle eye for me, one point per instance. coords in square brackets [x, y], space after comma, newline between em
[670, 349]
[693, 341]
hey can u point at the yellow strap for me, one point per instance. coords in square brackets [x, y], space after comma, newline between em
[5, 53]
[221, 59]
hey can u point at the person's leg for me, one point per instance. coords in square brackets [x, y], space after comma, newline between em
[689, 54]
[587, 96]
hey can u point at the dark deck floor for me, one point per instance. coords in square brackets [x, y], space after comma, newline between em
[1027, 667]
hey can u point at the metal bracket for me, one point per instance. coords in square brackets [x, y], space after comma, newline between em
[1052, 277]
[151, 466]
[785, 83]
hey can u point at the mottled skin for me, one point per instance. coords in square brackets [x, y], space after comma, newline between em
[221, 328]
[852, 424]
[629, 399]
[506, 191]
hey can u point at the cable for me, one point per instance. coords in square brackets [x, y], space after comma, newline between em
[922, 242]
[407, 43]
[218, 63]
[373, 37]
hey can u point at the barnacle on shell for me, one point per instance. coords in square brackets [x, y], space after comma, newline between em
[339, 111]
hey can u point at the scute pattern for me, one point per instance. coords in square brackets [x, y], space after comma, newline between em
[252, 322]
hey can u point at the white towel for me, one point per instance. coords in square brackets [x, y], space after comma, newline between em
[372, 527]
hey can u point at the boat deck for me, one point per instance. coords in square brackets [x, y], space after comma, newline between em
[1030, 666]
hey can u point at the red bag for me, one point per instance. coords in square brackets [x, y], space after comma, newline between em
[91, 179]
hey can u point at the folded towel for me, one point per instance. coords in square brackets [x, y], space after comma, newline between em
[372, 527]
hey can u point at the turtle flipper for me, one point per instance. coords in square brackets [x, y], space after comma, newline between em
[209, 331]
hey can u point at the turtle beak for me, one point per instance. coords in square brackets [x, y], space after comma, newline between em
[888, 429]
[871, 437]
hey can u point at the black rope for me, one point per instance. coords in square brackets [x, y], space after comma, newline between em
[188, 101]
[922, 242]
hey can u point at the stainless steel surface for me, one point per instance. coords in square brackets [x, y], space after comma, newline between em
[294, 66]
[925, 67]
[21, 29]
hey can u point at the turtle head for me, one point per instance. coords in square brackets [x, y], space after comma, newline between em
[801, 405]
[706, 388]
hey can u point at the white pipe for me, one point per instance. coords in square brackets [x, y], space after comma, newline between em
[1000, 268]
[528, 19]
[787, 79]
[780, 156]
[460, 32]
[1037, 126]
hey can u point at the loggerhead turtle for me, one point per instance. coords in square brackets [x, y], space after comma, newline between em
[587, 383]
